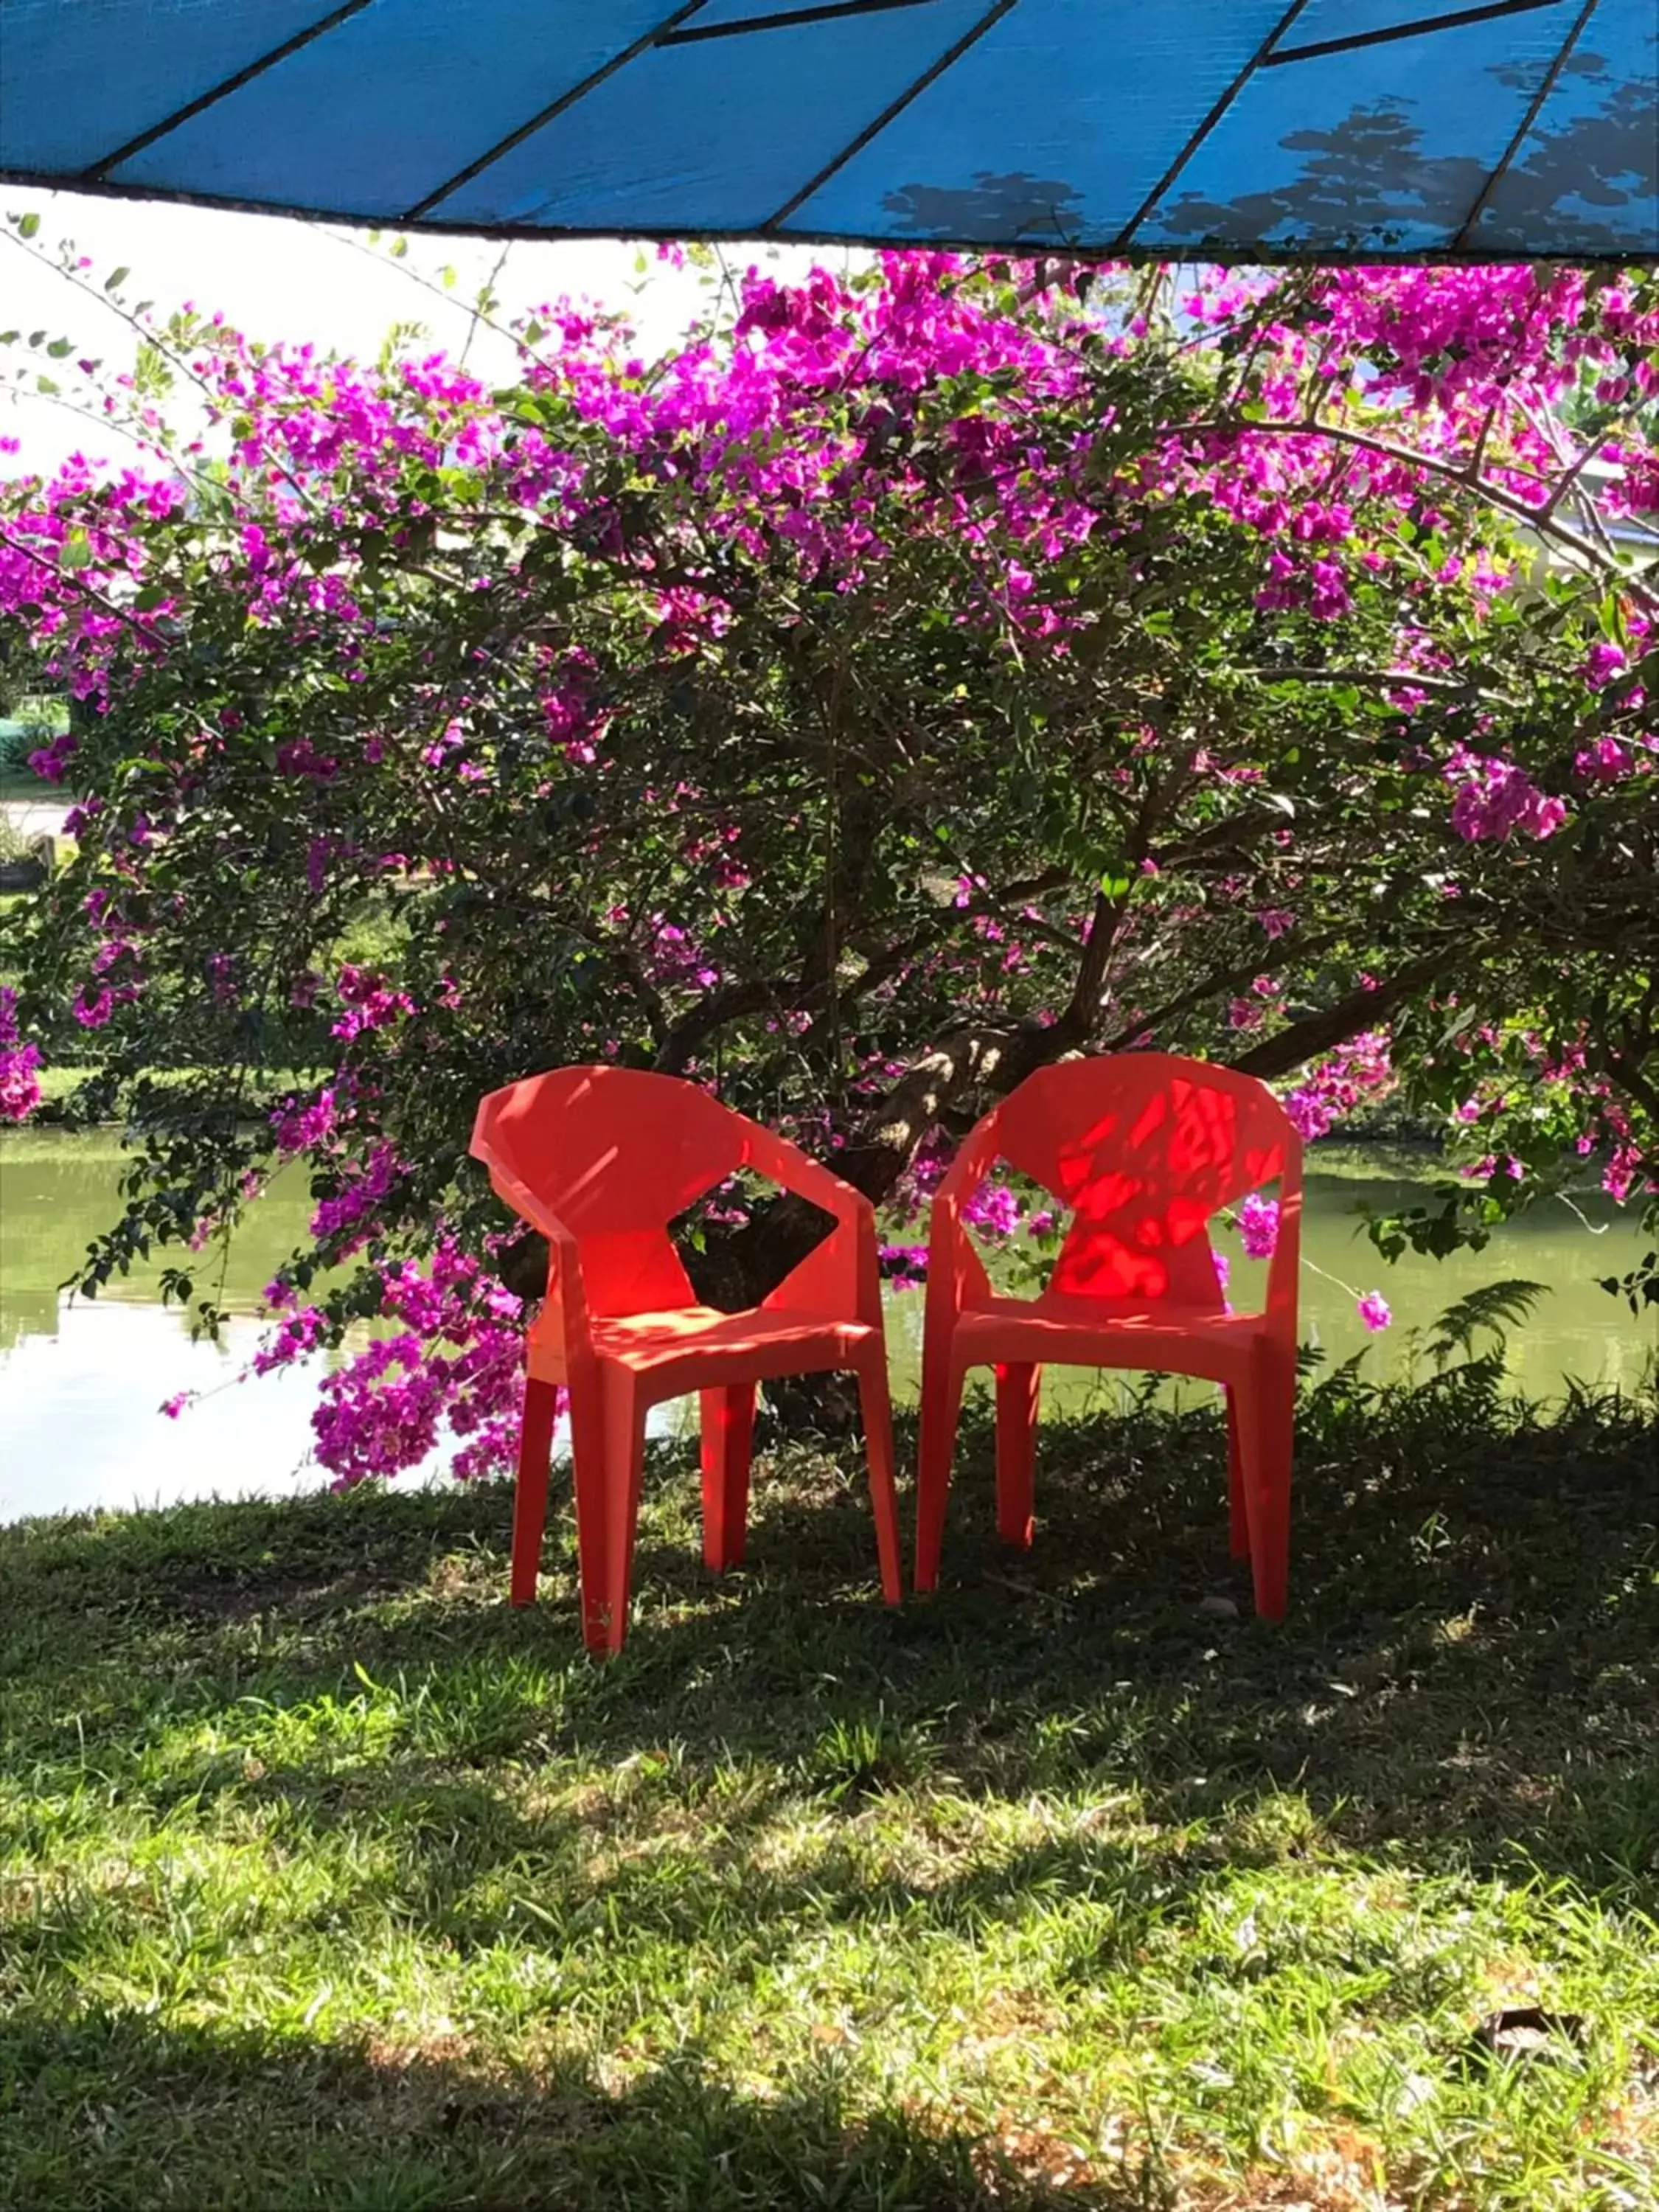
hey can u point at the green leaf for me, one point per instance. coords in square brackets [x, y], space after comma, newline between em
[27, 225]
[61, 349]
[116, 276]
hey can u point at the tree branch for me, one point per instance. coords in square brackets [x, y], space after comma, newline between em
[1076, 1026]
[1222, 980]
[1633, 1081]
[1360, 1010]
[728, 1002]
[1549, 526]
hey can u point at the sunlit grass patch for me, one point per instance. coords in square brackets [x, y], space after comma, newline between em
[326, 1879]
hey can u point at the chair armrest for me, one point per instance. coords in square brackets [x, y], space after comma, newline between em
[807, 1178]
[565, 1292]
[842, 1271]
[1284, 1268]
[969, 1169]
[955, 1271]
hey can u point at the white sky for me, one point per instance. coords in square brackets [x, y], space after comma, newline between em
[276, 278]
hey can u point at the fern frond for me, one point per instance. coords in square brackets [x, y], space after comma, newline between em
[1493, 1310]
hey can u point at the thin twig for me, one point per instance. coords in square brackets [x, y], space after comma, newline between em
[487, 292]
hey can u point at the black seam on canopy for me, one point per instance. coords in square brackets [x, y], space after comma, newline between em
[1207, 125]
[556, 107]
[827, 12]
[1419, 29]
[99, 170]
[1581, 24]
[969, 38]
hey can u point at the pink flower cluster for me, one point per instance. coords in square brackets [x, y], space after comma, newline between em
[371, 1003]
[20, 1063]
[674, 959]
[1258, 1225]
[1334, 1086]
[993, 1208]
[1620, 1176]
[366, 1184]
[1495, 799]
[457, 1363]
[905, 1263]
[299, 1334]
[303, 1129]
[113, 983]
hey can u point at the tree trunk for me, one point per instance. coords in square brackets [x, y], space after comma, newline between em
[738, 1269]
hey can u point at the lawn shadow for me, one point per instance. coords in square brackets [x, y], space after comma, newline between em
[220, 2119]
[397, 1782]
[1467, 1675]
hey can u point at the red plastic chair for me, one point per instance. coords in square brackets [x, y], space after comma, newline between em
[600, 1160]
[1142, 1148]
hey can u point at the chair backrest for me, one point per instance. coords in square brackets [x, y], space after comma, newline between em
[1142, 1148]
[615, 1154]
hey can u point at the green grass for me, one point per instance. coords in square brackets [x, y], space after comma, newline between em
[327, 1880]
[60, 1082]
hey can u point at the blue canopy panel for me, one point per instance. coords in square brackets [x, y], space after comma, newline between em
[1243, 129]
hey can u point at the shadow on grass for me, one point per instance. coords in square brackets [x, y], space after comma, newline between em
[286, 2122]
[1470, 1672]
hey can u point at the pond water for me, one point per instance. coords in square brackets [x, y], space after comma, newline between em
[82, 1383]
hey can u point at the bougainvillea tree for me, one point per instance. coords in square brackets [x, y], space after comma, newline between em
[916, 676]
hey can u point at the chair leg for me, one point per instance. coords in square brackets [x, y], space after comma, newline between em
[1018, 1388]
[1238, 1522]
[530, 1497]
[624, 1463]
[728, 1436]
[941, 1403]
[1268, 1424]
[589, 1450]
[877, 1410]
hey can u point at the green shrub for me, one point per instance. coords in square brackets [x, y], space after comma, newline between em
[18, 740]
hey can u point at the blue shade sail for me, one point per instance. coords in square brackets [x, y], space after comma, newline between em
[1240, 130]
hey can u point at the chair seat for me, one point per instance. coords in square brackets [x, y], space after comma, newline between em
[1059, 1330]
[764, 1341]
